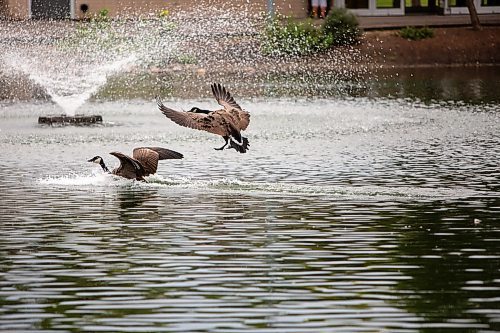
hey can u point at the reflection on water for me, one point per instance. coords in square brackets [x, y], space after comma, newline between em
[466, 84]
[349, 216]
[430, 85]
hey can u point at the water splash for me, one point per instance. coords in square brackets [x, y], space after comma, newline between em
[70, 89]
[233, 185]
[180, 54]
[74, 66]
[77, 180]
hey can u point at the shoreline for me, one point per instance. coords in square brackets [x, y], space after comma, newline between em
[456, 46]
[243, 64]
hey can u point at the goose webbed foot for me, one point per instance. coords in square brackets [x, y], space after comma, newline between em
[221, 148]
[225, 144]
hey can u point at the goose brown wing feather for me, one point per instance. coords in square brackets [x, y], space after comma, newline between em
[190, 120]
[214, 122]
[148, 158]
[223, 97]
[163, 153]
[129, 167]
[240, 118]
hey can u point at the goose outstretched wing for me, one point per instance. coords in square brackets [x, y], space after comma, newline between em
[163, 153]
[240, 118]
[129, 167]
[223, 97]
[215, 122]
[149, 156]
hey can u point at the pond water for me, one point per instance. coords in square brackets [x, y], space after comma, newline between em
[347, 215]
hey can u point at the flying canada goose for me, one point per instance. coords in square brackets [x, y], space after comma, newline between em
[227, 122]
[144, 162]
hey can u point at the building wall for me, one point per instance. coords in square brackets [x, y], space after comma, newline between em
[3, 8]
[20, 9]
[297, 8]
[294, 8]
[16, 9]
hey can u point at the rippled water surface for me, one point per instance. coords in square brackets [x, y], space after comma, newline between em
[345, 216]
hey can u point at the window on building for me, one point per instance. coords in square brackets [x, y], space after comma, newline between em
[388, 3]
[487, 3]
[456, 3]
[416, 3]
[356, 4]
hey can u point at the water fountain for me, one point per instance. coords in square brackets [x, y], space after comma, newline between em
[73, 66]
[75, 60]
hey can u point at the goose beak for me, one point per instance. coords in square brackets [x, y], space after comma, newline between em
[89, 160]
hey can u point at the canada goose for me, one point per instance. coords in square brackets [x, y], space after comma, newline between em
[226, 122]
[143, 163]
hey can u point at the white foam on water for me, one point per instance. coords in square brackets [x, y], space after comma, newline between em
[77, 180]
[233, 185]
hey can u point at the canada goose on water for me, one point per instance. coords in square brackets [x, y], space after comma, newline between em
[144, 162]
[227, 122]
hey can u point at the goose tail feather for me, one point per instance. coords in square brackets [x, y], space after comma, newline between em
[240, 147]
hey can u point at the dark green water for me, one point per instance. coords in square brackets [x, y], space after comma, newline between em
[463, 84]
[471, 85]
[347, 215]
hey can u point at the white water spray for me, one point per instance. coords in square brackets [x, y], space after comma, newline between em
[75, 98]
[190, 49]
[72, 68]
[71, 88]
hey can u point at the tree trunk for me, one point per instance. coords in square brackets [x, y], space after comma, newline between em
[473, 15]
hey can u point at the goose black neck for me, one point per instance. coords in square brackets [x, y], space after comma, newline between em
[202, 111]
[103, 166]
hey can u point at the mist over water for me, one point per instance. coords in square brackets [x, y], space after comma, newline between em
[74, 65]
[74, 61]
